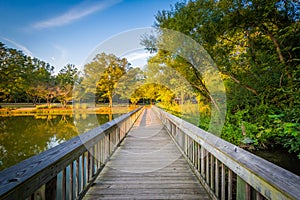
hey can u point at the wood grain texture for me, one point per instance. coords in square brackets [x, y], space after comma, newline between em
[147, 165]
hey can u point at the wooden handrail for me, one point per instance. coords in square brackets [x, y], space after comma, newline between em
[73, 165]
[227, 171]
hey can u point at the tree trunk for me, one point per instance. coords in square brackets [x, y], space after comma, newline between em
[65, 103]
[110, 101]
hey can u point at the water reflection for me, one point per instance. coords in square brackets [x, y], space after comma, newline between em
[24, 136]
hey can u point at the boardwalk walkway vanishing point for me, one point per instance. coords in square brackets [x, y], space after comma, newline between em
[147, 165]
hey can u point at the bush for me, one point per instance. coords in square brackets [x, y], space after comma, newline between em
[53, 106]
[41, 106]
[76, 106]
[84, 106]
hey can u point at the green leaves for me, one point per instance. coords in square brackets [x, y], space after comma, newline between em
[102, 75]
[20, 75]
[255, 45]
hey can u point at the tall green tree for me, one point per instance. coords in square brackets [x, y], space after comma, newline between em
[13, 73]
[41, 83]
[102, 74]
[66, 79]
[129, 84]
[20, 75]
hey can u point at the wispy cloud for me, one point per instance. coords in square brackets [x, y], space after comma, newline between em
[75, 13]
[59, 57]
[138, 58]
[19, 46]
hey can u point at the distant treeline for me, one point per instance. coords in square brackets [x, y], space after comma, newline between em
[27, 79]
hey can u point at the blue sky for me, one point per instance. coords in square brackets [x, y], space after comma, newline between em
[67, 31]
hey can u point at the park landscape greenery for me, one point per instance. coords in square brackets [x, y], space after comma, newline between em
[255, 45]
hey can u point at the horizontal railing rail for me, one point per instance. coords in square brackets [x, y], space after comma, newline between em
[67, 170]
[227, 171]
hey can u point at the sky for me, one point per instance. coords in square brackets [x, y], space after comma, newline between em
[62, 32]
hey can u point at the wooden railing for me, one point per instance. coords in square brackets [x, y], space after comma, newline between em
[227, 171]
[67, 170]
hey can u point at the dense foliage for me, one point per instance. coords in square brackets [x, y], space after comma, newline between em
[27, 79]
[255, 45]
[101, 76]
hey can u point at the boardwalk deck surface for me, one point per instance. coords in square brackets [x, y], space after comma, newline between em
[147, 165]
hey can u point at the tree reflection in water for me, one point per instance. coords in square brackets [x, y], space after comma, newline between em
[24, 136]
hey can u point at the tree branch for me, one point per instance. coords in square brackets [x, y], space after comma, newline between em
[249, 88]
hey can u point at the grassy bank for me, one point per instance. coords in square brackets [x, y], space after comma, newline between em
[29, 109]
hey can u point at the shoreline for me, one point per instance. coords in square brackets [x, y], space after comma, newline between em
[25, 111]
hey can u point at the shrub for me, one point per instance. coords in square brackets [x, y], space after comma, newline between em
[76, 105]
[41, 106]
[84, 106]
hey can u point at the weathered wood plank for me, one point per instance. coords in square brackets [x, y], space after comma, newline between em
[146, 196]
[147, 165]
[150, 191]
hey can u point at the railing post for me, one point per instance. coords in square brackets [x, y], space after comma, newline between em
[71, 188]
[207, 168]
[217, 177]
[77, 184]
[230, 174]
[64, 184]
[242, 191]
[223, 178]
[212, 167]
[202, 161]
[89, 171]
[51, 188]
[118, 137]
[83, 171]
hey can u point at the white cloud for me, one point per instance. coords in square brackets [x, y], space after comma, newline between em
[138, 58]
[59, 57]
[135, 56]
[74, 14]
[19, 46]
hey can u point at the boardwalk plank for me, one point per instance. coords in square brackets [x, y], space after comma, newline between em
[147, 165]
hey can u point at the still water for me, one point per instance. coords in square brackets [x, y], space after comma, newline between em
[24, 136]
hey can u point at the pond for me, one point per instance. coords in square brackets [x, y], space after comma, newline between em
[24, 136]
[280, 157]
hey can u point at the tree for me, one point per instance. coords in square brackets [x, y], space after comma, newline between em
[41, 83]
[13, 73]
[20, 75]
[102, 74]
[66, 78]
[128, 85]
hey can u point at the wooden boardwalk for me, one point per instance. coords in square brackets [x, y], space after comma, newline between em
[147, 165]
